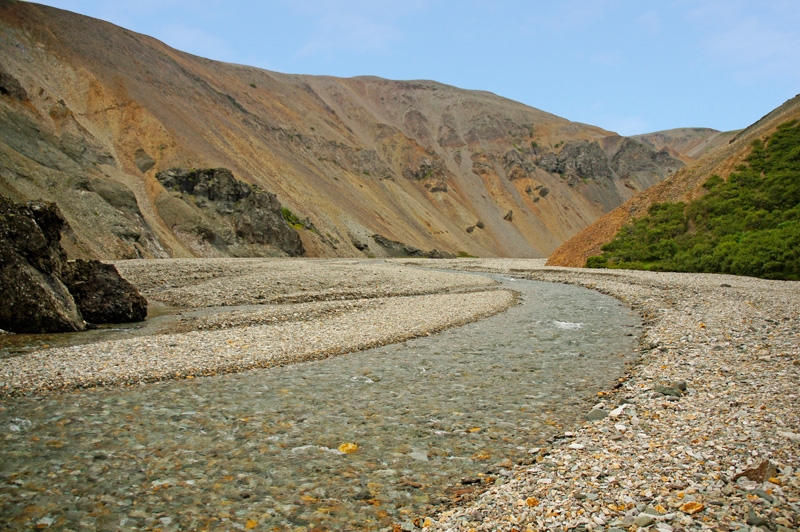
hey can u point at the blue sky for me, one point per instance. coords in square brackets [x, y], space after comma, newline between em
[630, 66]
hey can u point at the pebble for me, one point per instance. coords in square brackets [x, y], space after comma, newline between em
[727, 359]
[644, 520]
[308, 319]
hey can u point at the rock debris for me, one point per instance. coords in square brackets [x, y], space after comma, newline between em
[702, 434]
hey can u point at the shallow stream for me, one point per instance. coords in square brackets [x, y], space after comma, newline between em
[423, 420]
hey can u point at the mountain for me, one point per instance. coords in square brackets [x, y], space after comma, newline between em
[92, 115]
[684, 185]
[687, 143]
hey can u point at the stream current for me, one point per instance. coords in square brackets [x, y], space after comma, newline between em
[356, 442]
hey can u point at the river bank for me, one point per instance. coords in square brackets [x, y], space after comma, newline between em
[723, 454]
[357, 442]
[701, 434]
[239, 314]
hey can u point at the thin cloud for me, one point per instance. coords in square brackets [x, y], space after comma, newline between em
[754, 49]
[649, 23]
[752, 40]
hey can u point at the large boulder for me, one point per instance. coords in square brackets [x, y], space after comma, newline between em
[41, 291]
[102, 295]
[31, 262]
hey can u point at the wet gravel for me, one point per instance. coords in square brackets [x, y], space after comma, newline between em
[365, 441]
[704, 434]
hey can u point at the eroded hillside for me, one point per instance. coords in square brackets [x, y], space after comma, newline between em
[90, 113]
[684, 185]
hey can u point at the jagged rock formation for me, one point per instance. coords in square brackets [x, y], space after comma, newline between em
[90, 113]
[41, 291]
[616, 158]
[209, 208]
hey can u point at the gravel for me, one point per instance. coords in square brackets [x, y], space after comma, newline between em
[328, 308]
[702, 434]
[229, 282]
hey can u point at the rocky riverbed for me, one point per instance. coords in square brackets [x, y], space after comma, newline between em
[242, 314]
[704, 433]
[355, 442]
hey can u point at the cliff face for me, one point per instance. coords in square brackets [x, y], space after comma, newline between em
[90, 113]
[683, 185]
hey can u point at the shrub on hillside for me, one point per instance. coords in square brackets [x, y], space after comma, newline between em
[747, 225]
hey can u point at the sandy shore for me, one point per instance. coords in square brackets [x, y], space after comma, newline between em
[658, 457]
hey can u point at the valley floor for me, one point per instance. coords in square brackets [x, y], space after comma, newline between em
[238, 314]
[724, 454]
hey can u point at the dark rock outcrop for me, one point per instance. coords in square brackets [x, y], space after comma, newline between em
[101, 294]
[31, 263]
[394, 248]
[517, 165]
[579, 159]
[143, 161]
[10, 86]
[225, 213]
[39, 288]
[427, 168]
[635, 159]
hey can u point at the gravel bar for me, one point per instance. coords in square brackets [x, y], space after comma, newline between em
[230, 282]
[702, 434]
[319, 317]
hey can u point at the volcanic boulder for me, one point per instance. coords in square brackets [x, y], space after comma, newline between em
[31, 261]
[102, 295]
[41, 291]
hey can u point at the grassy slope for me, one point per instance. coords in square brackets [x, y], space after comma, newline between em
[684, 185]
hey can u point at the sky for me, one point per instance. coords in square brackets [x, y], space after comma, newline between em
[629, 66]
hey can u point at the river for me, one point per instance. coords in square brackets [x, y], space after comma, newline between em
[356, 442]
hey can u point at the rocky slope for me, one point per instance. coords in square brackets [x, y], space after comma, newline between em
[90, 113]
[682, 186]
[688, 143]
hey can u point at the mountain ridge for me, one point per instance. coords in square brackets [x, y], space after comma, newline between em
[687, 143]
[419, 162]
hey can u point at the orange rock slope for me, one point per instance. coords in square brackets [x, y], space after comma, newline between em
[90, 112]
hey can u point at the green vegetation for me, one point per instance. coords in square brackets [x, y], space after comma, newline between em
[747, 225]
[292, 219]
[465, 255]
